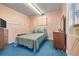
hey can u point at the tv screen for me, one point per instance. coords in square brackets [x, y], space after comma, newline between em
[2, 23]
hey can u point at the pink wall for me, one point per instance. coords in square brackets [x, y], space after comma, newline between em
[64, 9]
[16, 22]
[19, 23]
[73, 48]
[52, 22]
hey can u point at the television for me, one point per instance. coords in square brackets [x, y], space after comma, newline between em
[3, 23]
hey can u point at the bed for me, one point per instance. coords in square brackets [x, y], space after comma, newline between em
[32, 40]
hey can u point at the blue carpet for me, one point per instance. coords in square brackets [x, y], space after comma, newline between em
[46, 49]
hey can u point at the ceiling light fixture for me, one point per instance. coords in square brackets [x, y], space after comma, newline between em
[36, 8]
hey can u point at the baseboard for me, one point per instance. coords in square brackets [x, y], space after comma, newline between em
[68, 53]
[49, 38]
[10, 42]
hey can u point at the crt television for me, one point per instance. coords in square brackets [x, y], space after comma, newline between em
[3, 23]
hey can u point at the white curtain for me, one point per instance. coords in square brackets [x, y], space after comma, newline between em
[71, 17]
[76, 13]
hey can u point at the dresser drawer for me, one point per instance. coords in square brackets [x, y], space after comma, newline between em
[59, 40]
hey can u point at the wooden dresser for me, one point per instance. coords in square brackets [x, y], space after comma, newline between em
[59, 40]
[3, 38]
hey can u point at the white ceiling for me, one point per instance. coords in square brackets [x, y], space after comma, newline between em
[25, 9]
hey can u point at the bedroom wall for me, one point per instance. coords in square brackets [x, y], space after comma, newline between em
[17, 23]
[72, 40]
[69, 39]
[64, 9]
[52, 23]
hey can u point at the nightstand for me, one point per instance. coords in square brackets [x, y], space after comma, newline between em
[59, 39]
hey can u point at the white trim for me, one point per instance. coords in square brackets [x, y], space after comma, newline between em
[49, 38]
[68, 53]
[10, 41]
